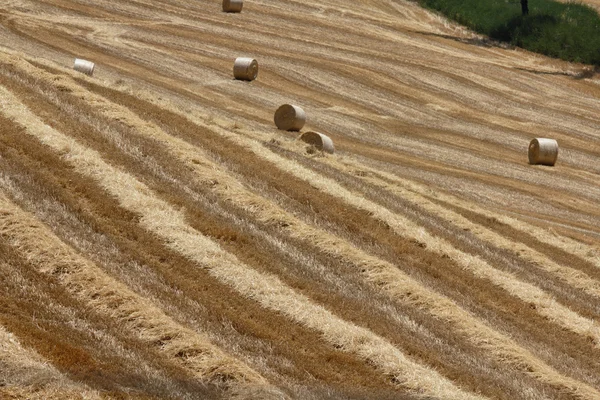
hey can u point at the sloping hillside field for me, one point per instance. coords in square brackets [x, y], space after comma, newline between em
[160, 238]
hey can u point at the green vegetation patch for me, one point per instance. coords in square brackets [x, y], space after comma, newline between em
[568, 31]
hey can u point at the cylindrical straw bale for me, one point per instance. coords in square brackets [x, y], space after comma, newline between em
[233, 6]
[84, 66]
[320, 141]
[245, 68]
[543, 151]
[290, 118]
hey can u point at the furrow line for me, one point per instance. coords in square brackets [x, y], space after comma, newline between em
[559, 210]
[22, 232]
[575, 299]
[160, 218]
[571, 276]
[545, 304]
[85, 346]
[28, 375]
[307, 369]
[377, 271]
[420, 194]
[86, 282]
[256, 245]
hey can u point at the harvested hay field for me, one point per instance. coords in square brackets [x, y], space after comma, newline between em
[160, 238]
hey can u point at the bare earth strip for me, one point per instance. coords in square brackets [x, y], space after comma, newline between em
[26, 374]
[431, 124]
[34, 168]
[418, 194]
[60, 180]
[574, 278]
[344, 297]
[105, 295]
[546, 305]
[233, 191]
[379, 272]
[160, 218]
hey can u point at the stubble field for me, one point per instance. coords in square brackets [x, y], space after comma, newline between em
[160, 238]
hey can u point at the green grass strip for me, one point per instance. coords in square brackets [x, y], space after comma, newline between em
[569, 31]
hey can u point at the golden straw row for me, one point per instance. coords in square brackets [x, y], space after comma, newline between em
[418, 194]
[380, 272]
[160, 218]
[408, 191]
[546, 305]
[86, 282]
[582, 250]
[25, 374]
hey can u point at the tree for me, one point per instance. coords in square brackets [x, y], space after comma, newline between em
[524, 7]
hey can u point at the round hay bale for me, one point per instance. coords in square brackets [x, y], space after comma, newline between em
[543, 151]
[84, 66]
[245, 69]
[290, 118]
[320, 141]
[233, 6]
